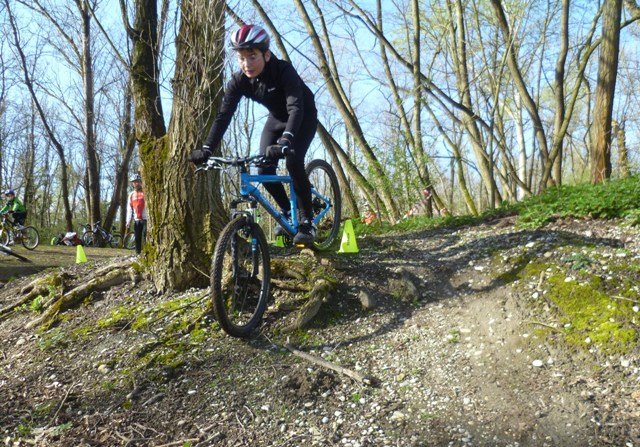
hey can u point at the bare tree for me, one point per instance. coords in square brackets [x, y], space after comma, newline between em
[328, 68]
[605, 91]
[49, 130]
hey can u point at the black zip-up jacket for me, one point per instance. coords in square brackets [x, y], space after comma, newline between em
[278, 88]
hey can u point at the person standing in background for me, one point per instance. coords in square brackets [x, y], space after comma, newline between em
[137, 212]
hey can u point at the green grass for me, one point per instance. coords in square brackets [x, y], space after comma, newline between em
[609, 200]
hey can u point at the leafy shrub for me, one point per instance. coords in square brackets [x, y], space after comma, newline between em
[609, 200]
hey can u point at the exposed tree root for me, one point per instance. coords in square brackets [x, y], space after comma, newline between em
[40, 287]
[319, 294]
[103, 279]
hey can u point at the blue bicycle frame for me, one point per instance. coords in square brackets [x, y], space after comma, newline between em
[248, 188]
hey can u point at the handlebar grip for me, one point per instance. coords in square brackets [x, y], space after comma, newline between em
[288, 152]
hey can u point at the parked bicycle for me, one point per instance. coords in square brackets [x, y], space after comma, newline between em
[100, 237]
[240, 271]
[11, 233]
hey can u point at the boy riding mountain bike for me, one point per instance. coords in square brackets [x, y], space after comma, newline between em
[14, 207]
[290, 127]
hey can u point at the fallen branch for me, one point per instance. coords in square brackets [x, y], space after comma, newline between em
[183, 442]
[625, 299]
[66, 396]
[539, 323]
[7, 250]
[366, 380]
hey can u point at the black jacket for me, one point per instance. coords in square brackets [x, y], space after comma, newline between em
[278, 88]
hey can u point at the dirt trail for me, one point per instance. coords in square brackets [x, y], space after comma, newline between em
[461, 356]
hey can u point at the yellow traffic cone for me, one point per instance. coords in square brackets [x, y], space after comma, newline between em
[279, 241]
[348, 243]
[80, 256]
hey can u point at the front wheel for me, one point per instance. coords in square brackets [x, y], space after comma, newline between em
[240, 277]
[326, 202]
[4, 236]
[129, 241]
[91, 239]
[30, 237]
[116, 241]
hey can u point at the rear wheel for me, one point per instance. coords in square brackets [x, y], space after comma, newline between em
[30, 237]
[326, 202]
[240, 276]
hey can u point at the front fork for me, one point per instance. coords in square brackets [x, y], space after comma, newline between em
[250, 216]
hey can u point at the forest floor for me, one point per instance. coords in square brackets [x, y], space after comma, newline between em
[476, 336]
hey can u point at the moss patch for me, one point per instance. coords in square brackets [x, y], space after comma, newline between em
[591, 317]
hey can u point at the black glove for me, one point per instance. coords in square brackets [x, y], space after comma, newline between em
[199, 156]
[275, 151]
[286, 143]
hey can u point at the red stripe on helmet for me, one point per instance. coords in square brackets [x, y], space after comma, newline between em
[243, 32]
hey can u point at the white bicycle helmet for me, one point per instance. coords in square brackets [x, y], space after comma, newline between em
[250, 36]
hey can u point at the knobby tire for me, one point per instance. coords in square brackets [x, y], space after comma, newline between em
[328, 228]
[240, 277]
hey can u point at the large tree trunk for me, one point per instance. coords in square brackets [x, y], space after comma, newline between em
[605, 91]
[185, 212]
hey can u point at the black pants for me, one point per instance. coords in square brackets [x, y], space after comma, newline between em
[19, 217]
[139, 228]
[295, 165]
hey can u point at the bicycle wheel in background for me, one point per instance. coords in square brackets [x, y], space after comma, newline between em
[240, 277]
[116, 241]
[91, 239]
[4, 237]
[326, 202]
[30, 237]
[129, 241]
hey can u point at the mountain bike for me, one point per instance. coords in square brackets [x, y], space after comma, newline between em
[11, 233]
[99, 237]
[240, 271]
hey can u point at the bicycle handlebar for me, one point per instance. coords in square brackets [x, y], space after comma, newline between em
[218, 162]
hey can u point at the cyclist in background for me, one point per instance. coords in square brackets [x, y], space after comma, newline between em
[14, 207]
[291, 123]
[137, 211]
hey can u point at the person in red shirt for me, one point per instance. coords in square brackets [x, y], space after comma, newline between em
[137, 212]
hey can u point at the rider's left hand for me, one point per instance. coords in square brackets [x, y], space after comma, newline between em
[199, 156]
[287, 144]
[275, 151]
